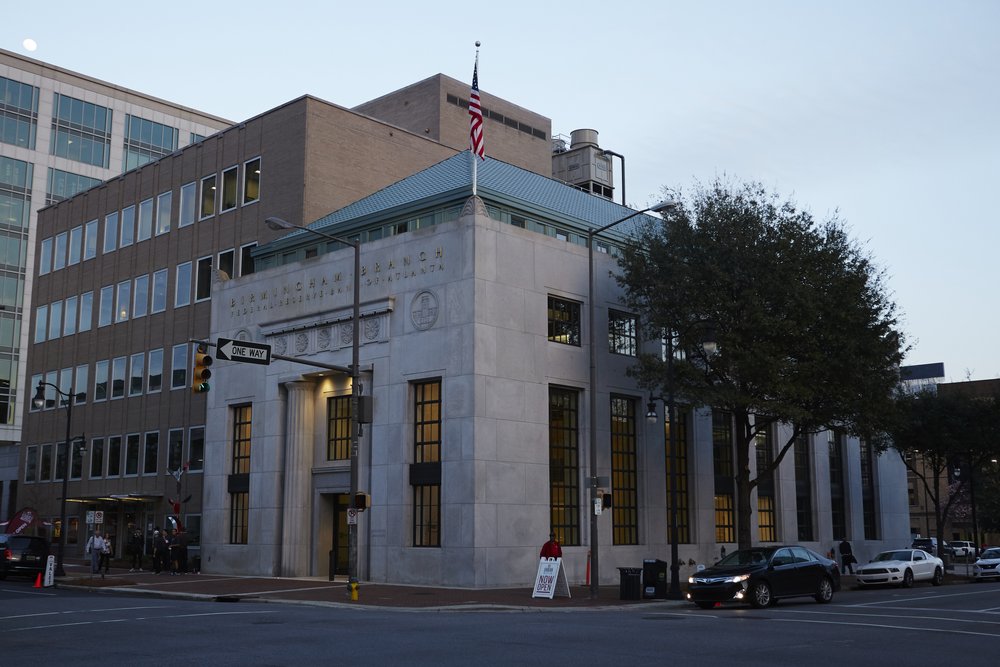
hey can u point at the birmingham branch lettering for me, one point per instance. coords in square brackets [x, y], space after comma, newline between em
[315, 288]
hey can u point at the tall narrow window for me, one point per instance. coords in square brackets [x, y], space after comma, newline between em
[239, 517]
[164, 206]
[722, 455]
[124, 305]
[207, 208]
[869, 515]
[137, 373]
[185, 216]
[182, 287]
[75, 245]
[145, 227]
[230, 185]
[140, 302]
[246, 259]
[101, 380]
[175, 450]
[564, 321]
[767, 529]
[45, 256]
[59, 254]
[427, 458]
[242, 418]
[226, 263]
[151, 453]
[41, 323]
[132, 442]
[838, 505]
[159, 291]
[128, 226]
[564, 465]
[683, 521]
[239, 497]
[107, 312]
[115, 456]
[804, 488]
[154, 376]
[86, 311]
[179, 366]
[622, 329]
[97, 458]
[55, 320]
[90, 240]
[251, 181]
[70, 316]
[118, 377]
[110, 232]
[196, 448]
[203, 282]
[624, 471]
[338, 439]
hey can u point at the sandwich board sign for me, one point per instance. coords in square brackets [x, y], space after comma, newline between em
[551, 579]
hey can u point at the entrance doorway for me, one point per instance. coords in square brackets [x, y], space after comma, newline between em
[339, 554]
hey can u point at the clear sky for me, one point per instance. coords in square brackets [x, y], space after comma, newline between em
[884, 110]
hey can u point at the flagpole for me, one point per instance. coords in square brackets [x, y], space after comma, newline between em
[476, 140]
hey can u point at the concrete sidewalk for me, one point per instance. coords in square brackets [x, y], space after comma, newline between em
[320, 591]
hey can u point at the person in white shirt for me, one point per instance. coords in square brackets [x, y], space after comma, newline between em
[95, 547]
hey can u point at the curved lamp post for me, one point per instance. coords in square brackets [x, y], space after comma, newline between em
[39, 402]
[592, 480]
[709, 346]
[278, 224]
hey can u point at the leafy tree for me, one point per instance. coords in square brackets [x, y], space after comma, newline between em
[805, 330]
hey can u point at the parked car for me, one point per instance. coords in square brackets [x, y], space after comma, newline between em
[987, 566]
[930, 545]
[901, 567]
[22, 554]
[764, 575]
[962, 549]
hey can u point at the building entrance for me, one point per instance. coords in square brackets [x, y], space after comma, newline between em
[339, 554]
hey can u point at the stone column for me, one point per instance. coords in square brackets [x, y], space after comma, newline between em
[297, 506]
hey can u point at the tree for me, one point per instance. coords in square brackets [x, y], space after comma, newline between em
[805, 330]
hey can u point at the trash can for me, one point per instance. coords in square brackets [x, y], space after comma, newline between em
[630, 585]
[654, 578]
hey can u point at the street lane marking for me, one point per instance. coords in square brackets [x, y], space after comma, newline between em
[890, 627]
[138, 618]
[913, 616]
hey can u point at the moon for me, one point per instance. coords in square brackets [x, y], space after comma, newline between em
[29, 44]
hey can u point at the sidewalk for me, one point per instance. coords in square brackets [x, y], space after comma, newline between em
[319, 591]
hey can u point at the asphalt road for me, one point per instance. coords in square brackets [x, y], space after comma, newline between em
[920, 626]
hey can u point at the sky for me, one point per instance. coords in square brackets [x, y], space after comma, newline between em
[882, 112]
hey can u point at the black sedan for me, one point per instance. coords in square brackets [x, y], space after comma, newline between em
[763, 575]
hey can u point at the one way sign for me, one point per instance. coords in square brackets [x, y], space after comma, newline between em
[238, 350]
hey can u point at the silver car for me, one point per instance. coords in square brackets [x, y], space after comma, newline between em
[901, 567]
[987, 566]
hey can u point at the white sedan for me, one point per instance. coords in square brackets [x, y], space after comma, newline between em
[901, 567]
[987, 566]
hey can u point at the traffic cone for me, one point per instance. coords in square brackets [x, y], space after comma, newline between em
[38, 580]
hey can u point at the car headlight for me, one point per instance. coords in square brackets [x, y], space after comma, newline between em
[737, 579]
[893, 569]
[690, 580]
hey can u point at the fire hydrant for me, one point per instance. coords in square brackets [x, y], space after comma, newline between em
[353, 587]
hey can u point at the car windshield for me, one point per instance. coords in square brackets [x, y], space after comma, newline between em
[893, 555]
[746, 557]
[991, 553]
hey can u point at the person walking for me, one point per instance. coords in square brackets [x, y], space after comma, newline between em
[847, 559]
[105, 561]
[94, 549]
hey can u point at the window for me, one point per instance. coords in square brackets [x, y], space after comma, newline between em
[97, 458]
[41, 323]
[90, 240]
[131, 454]
[246, 259]
[106, 315]
[137, 373]
[175, 449]
[80, 384]
[151, 453]
[160, 291]
[124, 301]
[622, 333]
[838, 503]
[45, 258]
[101, 380]
[86, 311]
[338, 433]
[207, 209]
[230, 185]
[239, 507]
[145, 229]
[179, 365]
[76, 462]
[185, 216]
[722, 461]
[154, 376]
[81, 131]
[110, 232]
[803, 488]
[427, 454]
[683, 519]
[19, 116]
[203, 283]
[59, 258]
[227, 259]
[624, 471]
[75, 245]
[55, 320]
[115, 456]
[868, 512]
[45, 465]
[242, 418]
[128, 226]
[564, 465]
[239, 517]
[146, 141]
[564, 321]
[63, 184]
[767, 530]
[70, 316]
[164, 203]
[251, 181]
[118, 377]
[31, 464]
[140, 301]
[196, 448]
[182, 286]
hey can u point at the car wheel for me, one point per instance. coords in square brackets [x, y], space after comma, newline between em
[760, 595]
[907, 579]
[705, 605]
[825, 592]
[938, 577]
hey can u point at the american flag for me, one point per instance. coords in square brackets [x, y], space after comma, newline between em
[476, 140]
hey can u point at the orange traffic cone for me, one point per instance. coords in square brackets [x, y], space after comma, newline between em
[38, 580]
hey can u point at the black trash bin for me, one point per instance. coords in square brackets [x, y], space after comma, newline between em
[654, 578]
[630, 585]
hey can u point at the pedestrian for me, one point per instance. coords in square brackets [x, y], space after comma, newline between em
[182, 551]
[847, 558]
[551, 549]
[173, 549]
[105, 561]
[135, 548]
[94, 549]
[161, 556]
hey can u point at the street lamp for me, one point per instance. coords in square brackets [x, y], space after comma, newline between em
[39, 402]
[709, 346]
[352, 528]
[594, 546]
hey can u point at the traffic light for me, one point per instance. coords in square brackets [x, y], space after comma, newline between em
[202, 372]
[362, 501]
